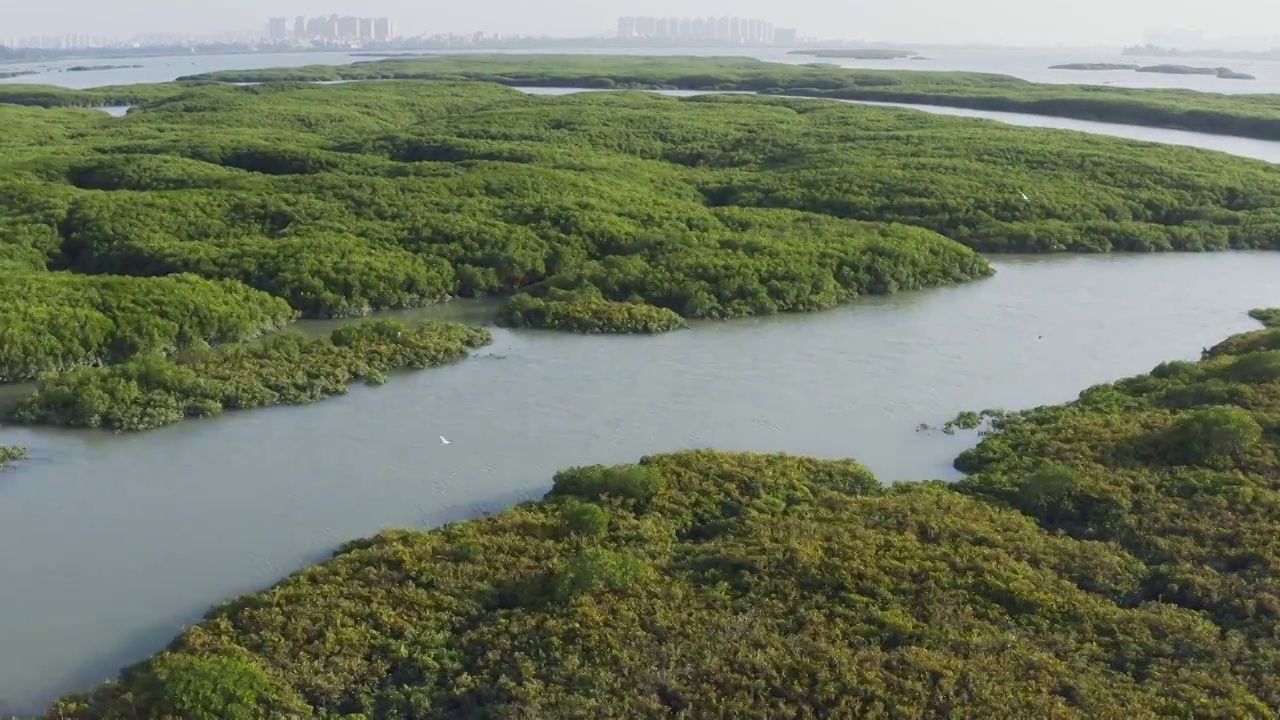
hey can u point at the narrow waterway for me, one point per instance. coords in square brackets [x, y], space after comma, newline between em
[110, 544]
[1267, 150]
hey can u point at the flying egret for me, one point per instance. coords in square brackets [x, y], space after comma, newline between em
[443, 440]
[1024, 196]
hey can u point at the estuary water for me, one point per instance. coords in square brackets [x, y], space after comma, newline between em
[109, 545]
[1027, 63]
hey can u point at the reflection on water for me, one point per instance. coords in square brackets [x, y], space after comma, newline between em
[109, 544]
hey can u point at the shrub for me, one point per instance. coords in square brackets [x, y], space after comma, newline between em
[635, 483]
[1211, 436]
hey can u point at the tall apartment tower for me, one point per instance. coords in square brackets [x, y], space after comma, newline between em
[348, 27]
[278, 29]
[626, 27]
[383, 30]
[366, 29]
[299, 28]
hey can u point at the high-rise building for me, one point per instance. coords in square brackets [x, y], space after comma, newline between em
[329, 27]
[383, 30]
[366, 29]
[626, 27]
[299, 28]
[349, 28]
[278, 29]
[685, 28]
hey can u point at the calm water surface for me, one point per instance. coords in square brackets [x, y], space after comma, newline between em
[1029, 64]
[110, 544]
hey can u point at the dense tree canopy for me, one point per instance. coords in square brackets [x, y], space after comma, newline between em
[58, 321]
[1080, 571]
[150, 390]
[585, 312]
[347, 199]
[1252, 115]
[213, 213]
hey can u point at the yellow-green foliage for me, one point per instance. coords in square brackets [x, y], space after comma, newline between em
[9, 453]
[1080, 572]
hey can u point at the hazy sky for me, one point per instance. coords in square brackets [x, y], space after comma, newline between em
[996, 21]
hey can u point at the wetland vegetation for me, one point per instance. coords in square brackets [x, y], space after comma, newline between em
[151, 390]
[219, 213]
[9, 453]
[1221, 72]
[1115, 555]
[1254, 116]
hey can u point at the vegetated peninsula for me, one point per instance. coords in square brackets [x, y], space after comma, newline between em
[149, 391]
[93, 68]
[858, 53]
[1254, 116]
[219, 213]
[1113, 556]
[1095, 66]
[7, 74]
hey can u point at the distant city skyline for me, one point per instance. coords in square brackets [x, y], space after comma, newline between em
[910, 22]
[334, 28]
[726, 28]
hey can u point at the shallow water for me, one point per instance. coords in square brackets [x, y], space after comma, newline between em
[110, 544]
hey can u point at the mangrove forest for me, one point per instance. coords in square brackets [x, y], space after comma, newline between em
[190, 220]
[1115, 556]
[1252, 115]
[148, 391]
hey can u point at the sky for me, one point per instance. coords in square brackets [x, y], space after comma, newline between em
[1014, 22]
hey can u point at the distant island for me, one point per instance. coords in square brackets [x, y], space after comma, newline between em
[1222, 72]
[91, 68]
[1157, 51]
[4, 75]
[1095, 66]
[858, 53]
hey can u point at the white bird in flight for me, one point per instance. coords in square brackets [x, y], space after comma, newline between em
[1024, 196]
[443, 440]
